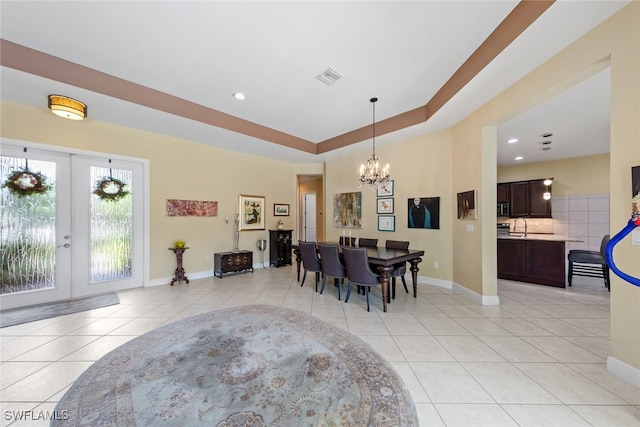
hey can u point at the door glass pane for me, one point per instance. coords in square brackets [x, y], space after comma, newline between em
[111, 229]
[27, 231]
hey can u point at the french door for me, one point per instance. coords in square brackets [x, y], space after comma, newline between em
[68, 241]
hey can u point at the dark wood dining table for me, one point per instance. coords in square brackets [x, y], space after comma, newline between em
[384, 259]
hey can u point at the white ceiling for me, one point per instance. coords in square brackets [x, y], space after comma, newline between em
[400, 52]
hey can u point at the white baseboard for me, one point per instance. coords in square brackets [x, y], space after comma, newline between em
[624, 371]
[191, 276]
[447, 284]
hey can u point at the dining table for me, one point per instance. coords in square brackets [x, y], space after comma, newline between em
[384, 259]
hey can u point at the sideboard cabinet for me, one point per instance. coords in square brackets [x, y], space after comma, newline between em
[232, 262]
[280, 247]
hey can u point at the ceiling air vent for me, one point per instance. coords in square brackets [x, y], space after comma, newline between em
[329, 76]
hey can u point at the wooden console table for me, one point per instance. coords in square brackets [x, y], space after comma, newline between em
[232, 262]
[179, 275]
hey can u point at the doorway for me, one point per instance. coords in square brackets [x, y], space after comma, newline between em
[70, 240]
[310, 208]
[309, 217]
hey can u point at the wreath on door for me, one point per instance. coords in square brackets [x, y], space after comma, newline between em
[24, 182]
[110, 189]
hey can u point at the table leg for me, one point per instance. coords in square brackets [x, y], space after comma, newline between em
[298, 261]
[414, 275]
[385, 278]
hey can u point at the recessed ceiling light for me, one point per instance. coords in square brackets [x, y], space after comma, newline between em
[512, 141]
[239, 96]
[519, 158]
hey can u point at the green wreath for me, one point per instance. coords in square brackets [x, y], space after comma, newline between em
[25, 183]
[110, 189]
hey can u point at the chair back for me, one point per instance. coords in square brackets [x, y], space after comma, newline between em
[309, 256]
[356, 262]
[397, 244]
[330, 260]
[367, 243]
[603, 244]
[347, 241]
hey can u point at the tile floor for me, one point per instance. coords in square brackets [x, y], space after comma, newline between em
[536, 360]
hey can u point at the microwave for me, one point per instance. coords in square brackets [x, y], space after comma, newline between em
[503, 209]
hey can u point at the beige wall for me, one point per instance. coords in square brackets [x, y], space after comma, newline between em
[576, 176]
[179, 169]
[420, 167]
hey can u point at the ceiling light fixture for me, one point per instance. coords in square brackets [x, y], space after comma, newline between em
[370, 175]
[66, 107]
[546, 146]
[239, 96]
[519, 158]
[512, 141]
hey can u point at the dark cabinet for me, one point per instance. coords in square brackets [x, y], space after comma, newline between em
[532, 261]
[279, 247]
[502, 194]
[232, 262]
[526, 199]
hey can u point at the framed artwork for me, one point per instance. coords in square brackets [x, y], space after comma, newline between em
[347, 210]
[423, 212]
[191, 208]
[386, 223]
[251, 211]
[385, 191]
[280, 209]
[385, 206]
[467, 201]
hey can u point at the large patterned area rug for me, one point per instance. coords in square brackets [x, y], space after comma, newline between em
[17, 316]
[247, 366]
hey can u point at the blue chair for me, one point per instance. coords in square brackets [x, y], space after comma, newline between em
[356, 262]
[310, 260]
[332, 266]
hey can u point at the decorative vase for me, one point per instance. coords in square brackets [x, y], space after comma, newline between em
[280, 226]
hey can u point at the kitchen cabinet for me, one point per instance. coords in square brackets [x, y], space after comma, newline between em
[526, 199]
[502, 193]
[532, 261]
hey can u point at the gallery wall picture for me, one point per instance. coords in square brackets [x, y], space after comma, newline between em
[423, 212]
[177, 207]
[347, 210]
[635, 181]
[251, 210]
[467, 201]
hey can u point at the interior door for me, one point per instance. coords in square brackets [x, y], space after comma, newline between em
[35, 230]
[309, 217]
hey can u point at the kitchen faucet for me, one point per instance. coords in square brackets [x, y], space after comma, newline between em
[515, 223]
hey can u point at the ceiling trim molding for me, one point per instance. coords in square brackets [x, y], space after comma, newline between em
[38, 63]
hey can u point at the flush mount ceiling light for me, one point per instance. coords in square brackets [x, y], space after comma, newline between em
[239, 96]
[370, 175]
[66, 107]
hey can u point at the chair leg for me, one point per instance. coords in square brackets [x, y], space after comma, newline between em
[317, 280]
[304, 276]
[570, 271]
[366, 291]
[348, 292]
[324, 282]
[404, 283]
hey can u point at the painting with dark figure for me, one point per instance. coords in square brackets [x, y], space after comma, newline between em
[423, 212]
[635, 180]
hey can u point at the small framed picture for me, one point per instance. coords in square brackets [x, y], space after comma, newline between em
[386, 223]
[280, 209]
[385, 190]
[251, 210]
[385, 206]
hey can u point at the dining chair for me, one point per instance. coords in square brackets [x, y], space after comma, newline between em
[347, 241]
[365, 242]
[310, 260]
[356, 262]
[589, 263]
[400, 269]
[332, 266]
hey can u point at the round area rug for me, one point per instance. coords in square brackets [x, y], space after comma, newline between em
[247, 366]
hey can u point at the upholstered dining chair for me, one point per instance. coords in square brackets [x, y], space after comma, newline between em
[332, 266]
[589, 263]
[365, 242]
[400, 269]
[310, 260]
[356, 262]
[347, 241]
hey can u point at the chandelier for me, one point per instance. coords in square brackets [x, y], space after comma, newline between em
[370, 175]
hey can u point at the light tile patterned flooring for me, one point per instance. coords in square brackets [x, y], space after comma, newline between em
[538, 359]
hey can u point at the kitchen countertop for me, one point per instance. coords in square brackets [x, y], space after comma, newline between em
[533, 236]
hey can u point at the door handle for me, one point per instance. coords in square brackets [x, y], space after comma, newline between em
[66, 245]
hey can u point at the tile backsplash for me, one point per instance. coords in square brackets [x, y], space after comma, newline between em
[585, 217]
